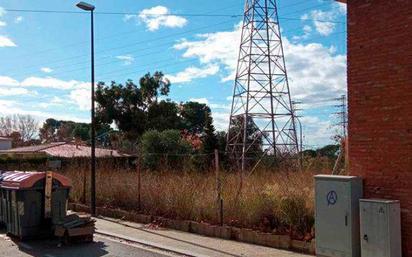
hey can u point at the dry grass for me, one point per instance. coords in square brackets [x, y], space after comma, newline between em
[280, 202]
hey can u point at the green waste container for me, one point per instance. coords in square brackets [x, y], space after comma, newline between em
[23, 203]
[2, 202]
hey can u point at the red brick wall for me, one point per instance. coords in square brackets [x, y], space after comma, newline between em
[380, 101]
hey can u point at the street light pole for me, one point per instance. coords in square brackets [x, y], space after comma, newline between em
[90, 8]
[93, 127]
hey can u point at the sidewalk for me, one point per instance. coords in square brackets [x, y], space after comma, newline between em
[185, 243]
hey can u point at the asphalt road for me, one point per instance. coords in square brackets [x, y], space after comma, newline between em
[102, 246]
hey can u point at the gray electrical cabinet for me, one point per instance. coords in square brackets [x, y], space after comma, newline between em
[380, 228]
[337, 215]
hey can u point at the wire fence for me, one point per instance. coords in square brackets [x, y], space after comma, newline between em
[216, 196]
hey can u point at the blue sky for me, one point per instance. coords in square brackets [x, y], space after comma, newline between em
[44, 64]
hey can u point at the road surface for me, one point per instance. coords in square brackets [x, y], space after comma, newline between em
[102, 246]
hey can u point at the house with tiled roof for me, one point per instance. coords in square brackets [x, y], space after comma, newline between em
[5, 143]
[61, 150]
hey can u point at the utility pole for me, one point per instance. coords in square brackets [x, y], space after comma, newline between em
[262, 120]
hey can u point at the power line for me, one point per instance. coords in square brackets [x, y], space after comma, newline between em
[166, 65]
[121, 13]
[132, 45]
[157, 15]
[132, 51]
[156, 39]
[125, 69]
[130, 32]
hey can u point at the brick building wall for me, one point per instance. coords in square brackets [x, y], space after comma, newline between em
[380, 101]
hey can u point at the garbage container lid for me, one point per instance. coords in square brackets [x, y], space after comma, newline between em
[21, 180]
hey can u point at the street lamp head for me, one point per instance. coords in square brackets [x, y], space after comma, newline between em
[85, 6]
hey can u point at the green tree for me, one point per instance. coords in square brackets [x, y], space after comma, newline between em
[163, 115]
[123, 105]
[48, 130]
[195, 116]
[254, 136]
[209, 139]
[60, 130]
[221, 137]
[163, 149]
[330, 151]
[153, 86]
[126, 105]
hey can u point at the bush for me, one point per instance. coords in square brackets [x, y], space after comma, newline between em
[163, 150]
[294, 213]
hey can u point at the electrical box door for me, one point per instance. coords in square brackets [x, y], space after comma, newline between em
[380, 228]
[337, 215]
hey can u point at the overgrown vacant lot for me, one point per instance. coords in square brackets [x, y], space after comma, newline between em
[270, 201]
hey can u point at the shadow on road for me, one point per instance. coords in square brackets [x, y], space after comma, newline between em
[50, 247]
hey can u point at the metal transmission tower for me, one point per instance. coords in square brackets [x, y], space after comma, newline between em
[262, 120]
[342, 114]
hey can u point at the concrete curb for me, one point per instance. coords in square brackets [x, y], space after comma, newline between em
[148, 244]
[224, 232]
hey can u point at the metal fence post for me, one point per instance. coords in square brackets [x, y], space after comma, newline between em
[219, 200]
[139, 183]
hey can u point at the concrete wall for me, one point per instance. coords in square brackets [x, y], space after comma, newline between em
[380, 101]
[5, 145]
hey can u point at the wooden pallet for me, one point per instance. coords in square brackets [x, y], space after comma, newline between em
[75, 228]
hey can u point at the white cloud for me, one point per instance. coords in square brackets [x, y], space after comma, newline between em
[11, 87]
[307, 30]
[55, 101]
[324, 20]
[2, 12]
[220, 106]
[127, 59]
[129, 17]
[81, 97]
[157, 17]
[317, 131]
[202, 100]
[9, 107]
[6, 42]
[44, 82]
[315, 71]
[50, 82]
[8, 81]
[221, 120]
[342, 7]
[79, 94]
[192, 73]
[221, 47]
[18, 19]
[324, 28]
[213, 106]
[46, 69]
[13, 91]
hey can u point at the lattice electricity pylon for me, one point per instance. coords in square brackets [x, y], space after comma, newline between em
[262, 121]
